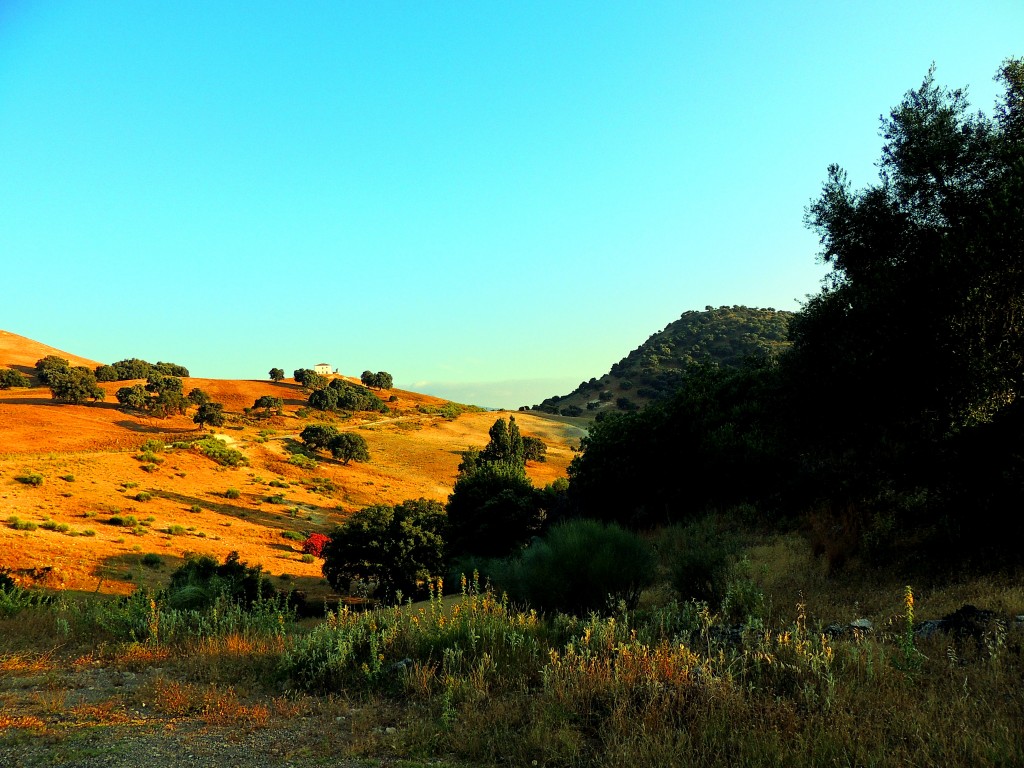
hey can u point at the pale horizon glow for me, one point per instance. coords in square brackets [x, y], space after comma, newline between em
[493, 201]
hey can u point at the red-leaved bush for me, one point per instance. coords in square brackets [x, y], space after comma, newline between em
[315, 543]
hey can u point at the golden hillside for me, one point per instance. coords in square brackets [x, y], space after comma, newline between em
[86, 455]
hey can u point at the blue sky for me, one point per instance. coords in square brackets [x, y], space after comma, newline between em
[491, 201]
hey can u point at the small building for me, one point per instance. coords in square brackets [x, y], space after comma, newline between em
[324, 369]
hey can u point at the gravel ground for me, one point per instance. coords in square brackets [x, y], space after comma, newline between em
[105, 718]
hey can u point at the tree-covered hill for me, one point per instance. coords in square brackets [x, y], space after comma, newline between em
[723, 337]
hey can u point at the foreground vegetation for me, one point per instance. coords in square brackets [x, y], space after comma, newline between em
[473, 679]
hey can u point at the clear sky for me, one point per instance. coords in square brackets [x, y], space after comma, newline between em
[491, 201]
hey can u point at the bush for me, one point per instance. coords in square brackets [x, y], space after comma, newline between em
[152, 560]
[143, 496]
[580, 566]
[218, 450]
[315, 543]
[307, 558]
[232, 493]
[176, 530]
[699, 559]
[18, 524]
[293, 536]
[32, 478]
[201, 580]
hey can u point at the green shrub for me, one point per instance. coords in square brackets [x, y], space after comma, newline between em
[293, 535]
[218, 451]
[149, 457]
[124, 521]
[50, 525]
[232, 493]
[275, 499]
[143, 496]
[580, 566]
[18, 524]
[68, 478]
[176, 530]
[307, 558]
[32, 478]
[195, 508]
[152, 560]
[88, 532]
[278, 484]
[153, 446]
[302, 461]
[699, 557]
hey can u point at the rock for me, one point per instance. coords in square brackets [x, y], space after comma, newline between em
[862, 625]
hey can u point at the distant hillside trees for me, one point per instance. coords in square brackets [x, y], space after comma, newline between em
[106, 373]
[343, 446]
[349, 446]
[197, 396]
[160, 396]
[269, 405]
[45, 366]
[276, 374]
[340, 395]
[134, 368]
[10, 378]
[379, 380]
[209, 413]
[74, 385]
[316, 437]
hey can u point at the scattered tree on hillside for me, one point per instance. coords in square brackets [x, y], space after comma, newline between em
[47, 365]
[394, 549]
[349, 446]
[300, 374]
[197, 396]
[134, 397]
[317, 437]
[169, 397]
[73, 385]
[339, 395]
[106, 373]
[313, 381]
[269, 404]
[209, 413]
[132, 368]
[379, 380]
[534, 449]
[276, 374]
[10, 378]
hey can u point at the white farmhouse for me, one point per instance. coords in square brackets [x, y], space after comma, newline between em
[324, 369]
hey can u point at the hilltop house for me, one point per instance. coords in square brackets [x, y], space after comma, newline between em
[324, 369]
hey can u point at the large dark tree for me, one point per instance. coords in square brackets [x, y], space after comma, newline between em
[917, 338]
[396, 549]
[276, 374]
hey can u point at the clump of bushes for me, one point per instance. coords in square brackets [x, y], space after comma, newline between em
[218, 450]
[123, 521]
[201, 579]
[580, 566]
[293, 536]
[143, 496]
[30, 478]
[232, 493]
[18, 524]
[151, 560]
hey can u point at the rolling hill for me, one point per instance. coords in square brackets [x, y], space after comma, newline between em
[724, 336]
[63, 531]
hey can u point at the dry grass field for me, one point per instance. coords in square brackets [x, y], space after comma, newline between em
[92, 472]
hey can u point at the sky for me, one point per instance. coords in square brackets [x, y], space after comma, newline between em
[491, 201]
